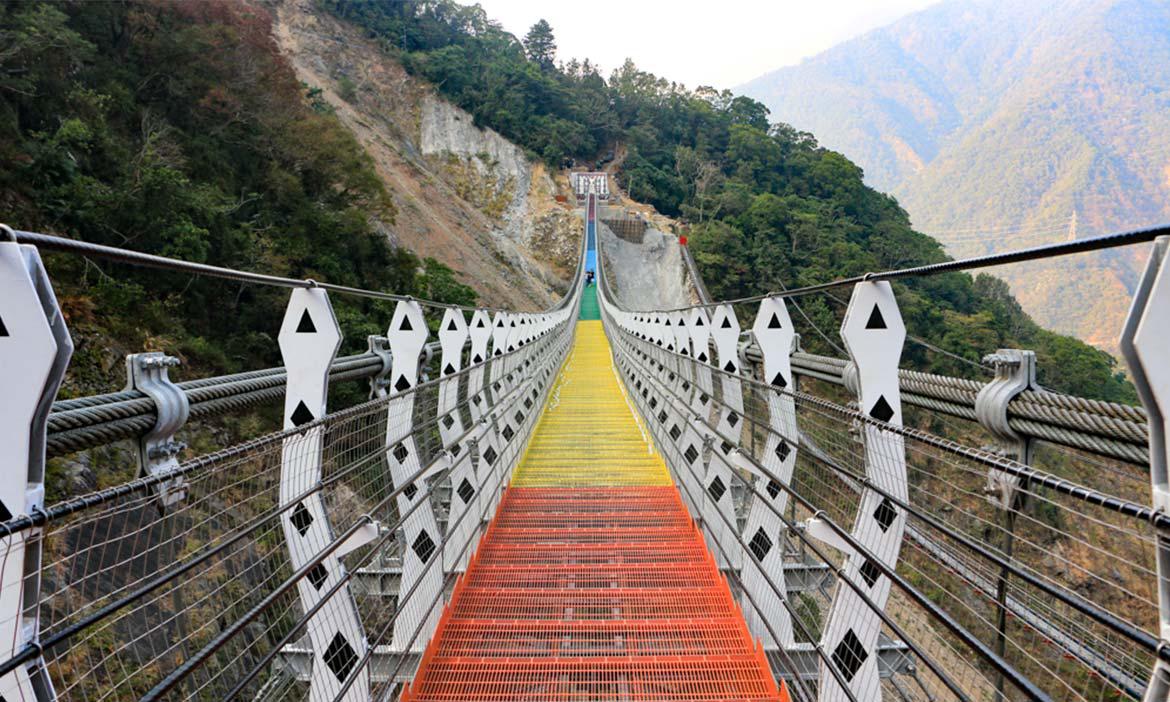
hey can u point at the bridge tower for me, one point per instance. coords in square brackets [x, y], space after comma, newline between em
[591, 188]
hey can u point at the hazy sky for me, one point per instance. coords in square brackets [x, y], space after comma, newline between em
[699, 42]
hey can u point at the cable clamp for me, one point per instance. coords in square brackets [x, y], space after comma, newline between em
[158, 451]
[1161, 503]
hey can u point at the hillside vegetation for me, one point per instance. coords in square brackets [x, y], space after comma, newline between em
[768, 206]
[463, 195]
[178, 129]
[993, 122]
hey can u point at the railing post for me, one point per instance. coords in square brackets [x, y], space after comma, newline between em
[1145, 343]
[718, 480]
[35, 348]
[309, 339]
[764, 529]
[695, 431]
[677, 421]
[408, 334]
[873, 332]
[480, 331]
[507, 369]
[486, 449]
[496, 457]
[452, 336]
[1015, 372]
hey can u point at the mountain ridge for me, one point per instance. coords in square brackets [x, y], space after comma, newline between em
[1007, 118]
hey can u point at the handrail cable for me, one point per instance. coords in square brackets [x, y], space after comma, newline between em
[1001, 665]
[1103, 617]
[1064, 248]
[138, 258]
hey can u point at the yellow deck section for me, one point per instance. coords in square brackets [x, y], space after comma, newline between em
[588, 435]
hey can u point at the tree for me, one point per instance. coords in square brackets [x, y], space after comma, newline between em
[541, 45]
[700, 173]
[769, 206]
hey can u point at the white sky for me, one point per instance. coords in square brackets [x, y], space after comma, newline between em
[701, 42]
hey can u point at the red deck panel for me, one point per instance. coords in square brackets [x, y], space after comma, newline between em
[592, 594]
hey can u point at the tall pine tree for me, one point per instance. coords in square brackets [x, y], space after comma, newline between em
[541, 45]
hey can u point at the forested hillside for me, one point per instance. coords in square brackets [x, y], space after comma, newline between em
[994, 122]
[178, 129]
[768, 207]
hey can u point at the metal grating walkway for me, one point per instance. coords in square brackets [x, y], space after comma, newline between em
[592, 582]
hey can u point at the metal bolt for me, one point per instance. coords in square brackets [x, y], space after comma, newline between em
[159, 362]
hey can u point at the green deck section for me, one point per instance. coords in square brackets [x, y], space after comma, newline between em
[589, 308]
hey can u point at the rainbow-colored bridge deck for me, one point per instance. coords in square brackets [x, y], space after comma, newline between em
[592, 582]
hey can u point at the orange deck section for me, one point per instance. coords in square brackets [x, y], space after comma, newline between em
[591, 593]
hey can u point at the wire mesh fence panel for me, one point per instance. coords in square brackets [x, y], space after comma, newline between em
[199, 599]
[1059, 587]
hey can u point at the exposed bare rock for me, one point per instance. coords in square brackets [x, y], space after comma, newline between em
[465, 196]
[647, 275]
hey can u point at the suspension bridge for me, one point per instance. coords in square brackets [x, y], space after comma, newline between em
[593, 502]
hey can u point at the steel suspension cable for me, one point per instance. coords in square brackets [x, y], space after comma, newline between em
[1002, 666]
[1089, 609]
[838, 571]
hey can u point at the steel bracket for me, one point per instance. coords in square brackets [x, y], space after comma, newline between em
[380, 382]
[1015, 372]
[821, 531]
[158, 451]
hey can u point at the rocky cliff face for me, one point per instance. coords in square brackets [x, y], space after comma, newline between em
[490, 171]
[466, 196]
[648, 274]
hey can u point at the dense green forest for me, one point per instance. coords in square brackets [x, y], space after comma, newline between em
[767, 206]
[178, 129]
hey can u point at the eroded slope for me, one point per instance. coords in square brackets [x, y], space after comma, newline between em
[465, 196]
